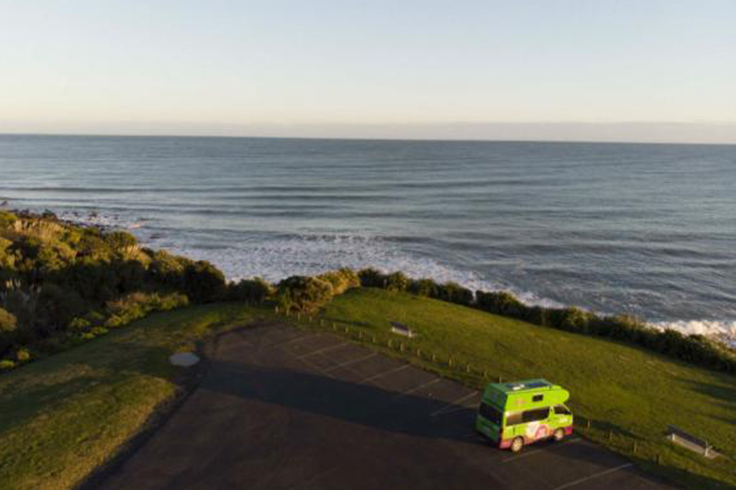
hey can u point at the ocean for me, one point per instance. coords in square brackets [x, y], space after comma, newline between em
[643, 229]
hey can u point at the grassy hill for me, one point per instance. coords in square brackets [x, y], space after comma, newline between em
[65, 415]
[630, 394]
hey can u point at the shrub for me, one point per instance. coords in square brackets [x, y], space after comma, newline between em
[452, 292]
[254, 290]
[397, 281]
[8, 322]
[61, 305]
[574, 320]
[172, 301]
[121, 243]
[7, 219]
[341, 280]
[303, 294]
[7, 364]
[80, 325]
[372, 278]
[167, 269]
[22, 355]
[203, 282]
[423, 287]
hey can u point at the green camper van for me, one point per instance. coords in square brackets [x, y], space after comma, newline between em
[514, 414]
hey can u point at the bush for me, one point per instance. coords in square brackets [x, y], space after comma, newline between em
[8, 322]
[7, 219]
[397, 281]
[303, 294]
[80, 325]
[61, 305]
[372, 278]
[423, 287]
[452, 292]
[167, 269]
[22, 355]
[574, 320]
[203, 282]
[7, 364]
[341, 280]
[251, 290]
[172, 301]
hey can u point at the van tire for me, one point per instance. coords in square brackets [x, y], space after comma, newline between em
[559, 435]
[517, 444]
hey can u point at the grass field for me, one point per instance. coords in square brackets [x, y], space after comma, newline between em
[63, 416]
[630, 395]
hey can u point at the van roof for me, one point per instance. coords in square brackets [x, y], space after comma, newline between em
[525, 386]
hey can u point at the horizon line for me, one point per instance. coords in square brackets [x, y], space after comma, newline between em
[368, 138]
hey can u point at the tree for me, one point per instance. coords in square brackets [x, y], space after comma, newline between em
[203, 282]
[303, 294]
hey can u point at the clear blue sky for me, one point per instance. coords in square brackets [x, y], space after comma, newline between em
[246, 66]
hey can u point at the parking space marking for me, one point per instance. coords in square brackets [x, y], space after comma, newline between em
[451, 407]
[278, 345]
[319, 351]
[379, 375]
[595, 475]
[352, 361]
[418, 387]
[535, 451]
[314, 366]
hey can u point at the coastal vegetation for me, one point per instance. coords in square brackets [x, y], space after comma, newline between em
[64, 285]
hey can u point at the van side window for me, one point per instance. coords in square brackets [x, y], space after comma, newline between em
[560, 410]
[535, 415]
[537, 398]
[514, 418]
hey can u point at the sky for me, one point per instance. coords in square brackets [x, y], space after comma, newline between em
[633, 70]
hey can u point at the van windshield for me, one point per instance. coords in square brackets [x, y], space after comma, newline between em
[492, 414]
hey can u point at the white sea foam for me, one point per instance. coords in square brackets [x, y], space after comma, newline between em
[276, 259]
[724, 330]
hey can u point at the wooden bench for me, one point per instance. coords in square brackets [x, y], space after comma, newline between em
[691, 442]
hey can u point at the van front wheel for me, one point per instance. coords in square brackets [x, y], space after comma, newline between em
[559, 435]
[517, 444]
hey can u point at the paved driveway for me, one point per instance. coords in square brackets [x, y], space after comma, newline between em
[281, 408]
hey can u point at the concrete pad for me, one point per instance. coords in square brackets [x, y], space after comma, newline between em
[184, 359]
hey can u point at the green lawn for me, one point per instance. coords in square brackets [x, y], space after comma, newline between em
[63, 416]
[631, 395]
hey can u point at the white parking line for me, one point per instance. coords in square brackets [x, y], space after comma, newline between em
[322, 350]
[450, 407]
[418, 387]
[535, 451]
[353, 361]
[596, 475]
[313, 366]
[390, 371]
[286, 342]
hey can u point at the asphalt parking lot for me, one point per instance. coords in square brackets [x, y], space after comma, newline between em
[281, 408]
